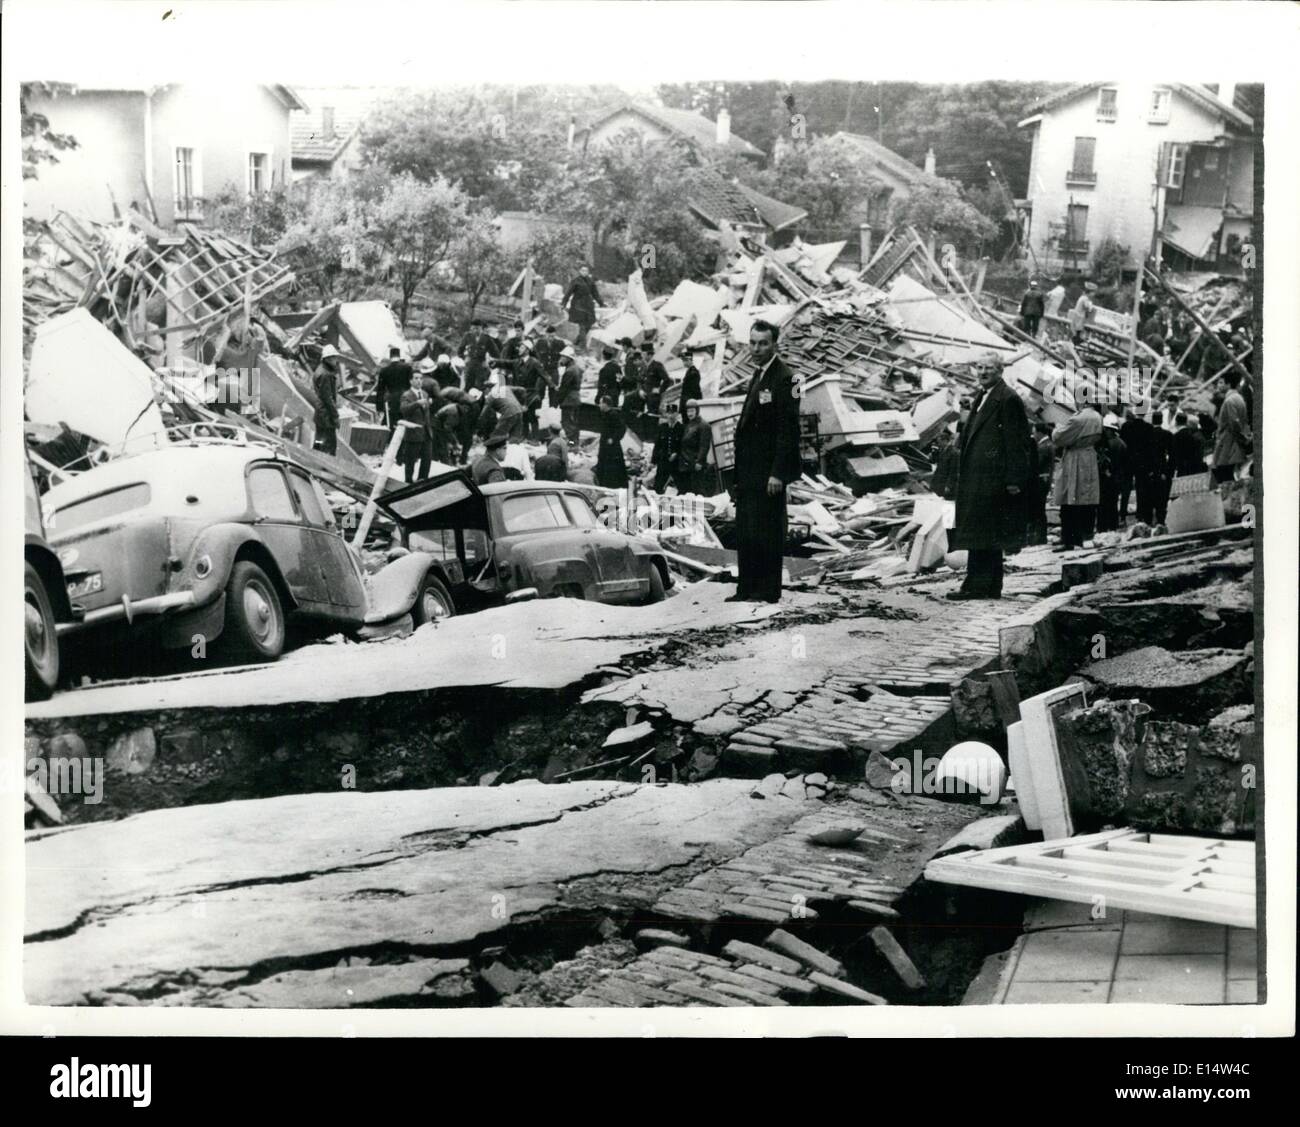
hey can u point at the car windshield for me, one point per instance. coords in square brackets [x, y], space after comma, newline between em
[110, 504]
[532, 512]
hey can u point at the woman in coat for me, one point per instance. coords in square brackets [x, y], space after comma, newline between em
[611, 467]
[1078, 486]
[694, 475]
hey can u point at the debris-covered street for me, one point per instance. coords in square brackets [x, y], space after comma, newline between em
[620, 571]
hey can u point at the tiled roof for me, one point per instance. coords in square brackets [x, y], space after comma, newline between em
[899, 166]
[776, 214]
[307, 135]
[715, 199]
[693, 127]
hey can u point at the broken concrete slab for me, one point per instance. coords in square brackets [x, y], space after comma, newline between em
[984, 833]
[892, 952]
[1190, 685]
[340, 987]
[805, 953]
[137, 904]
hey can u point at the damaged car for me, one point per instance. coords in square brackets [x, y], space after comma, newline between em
[219, 544]
[508, 540]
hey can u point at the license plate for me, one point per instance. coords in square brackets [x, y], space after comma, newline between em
[87, 585]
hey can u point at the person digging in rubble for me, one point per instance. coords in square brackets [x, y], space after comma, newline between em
[611, 466]
[445, 373]
[416, 449]
[668, 437]
[766, 461]
[552, 466]
[391, 383]
[694, 474]
[993, 486]
[325, 383]
[444, 431]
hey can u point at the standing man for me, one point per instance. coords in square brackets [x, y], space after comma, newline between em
[489, 468]
[393, 380]
[580, 299]
[416, 449]
[548, 350]
[992, 482]
[654, 378]
[690, 380]
[1189, 446]
[1081, 316]
[1164, 460]
[1055, 299]
[693, 472]
[668, 440]
[1031, 309]
[766, 461]
[1232, 429]
[568, 393]
[1139, 439]
[607, 380]
[1113, 468]
[476, 348]
[325, 382]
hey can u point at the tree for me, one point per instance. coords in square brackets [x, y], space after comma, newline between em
[415, 224]
[328, 240]
[262, 218]
[478, 260]
[828, 176]
[554, 250]
[936, 208]
[41, 145]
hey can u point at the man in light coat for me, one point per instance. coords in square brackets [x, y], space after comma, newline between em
[1078, 485]
[1232, 429]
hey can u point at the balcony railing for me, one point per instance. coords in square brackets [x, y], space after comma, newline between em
[1072, 246]
[1107, 113]
[1077, 176]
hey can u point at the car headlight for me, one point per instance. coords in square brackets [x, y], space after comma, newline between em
[203, 566]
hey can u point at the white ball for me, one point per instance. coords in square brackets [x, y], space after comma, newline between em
[972, 768]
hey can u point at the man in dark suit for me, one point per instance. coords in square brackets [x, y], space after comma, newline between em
[567, 393]
[1031, 309]
[477, 349]
[607, 380]
[690, 380]
[992, 482]
[392, 381]
[580, 299]
[766, 461]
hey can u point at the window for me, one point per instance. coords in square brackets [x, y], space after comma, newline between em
[1107, 106]
[1081, 170]
[111, 504]
[580, 512]
[438, 542]
[187, 182]
[269, 494]
[259, 172]
[1158, 114]
[1075, 238]
[312, 510]
[1177, 166]
[532, 512]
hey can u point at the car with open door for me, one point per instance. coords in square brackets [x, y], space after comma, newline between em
[498, 541]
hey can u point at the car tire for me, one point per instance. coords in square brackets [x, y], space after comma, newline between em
[656, 594]
[40, 637]
[433, 601]
[254, 629]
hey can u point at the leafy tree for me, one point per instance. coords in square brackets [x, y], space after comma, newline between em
[262, 219]
[415, 224]
[329, 240]
[937, 208]
[554, 251]
[478, 260]
[41, 145]
[828, 176]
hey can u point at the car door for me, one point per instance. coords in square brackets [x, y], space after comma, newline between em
[621, 577]
[280, 526]
[343, 584]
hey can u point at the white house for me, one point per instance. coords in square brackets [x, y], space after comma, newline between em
[1128, 160]
[164, 149]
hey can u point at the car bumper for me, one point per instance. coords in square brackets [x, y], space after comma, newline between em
[127, 611]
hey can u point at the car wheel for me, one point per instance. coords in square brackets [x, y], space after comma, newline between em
[656, 594]
[254, 628]
[40, 637]
[434, 602]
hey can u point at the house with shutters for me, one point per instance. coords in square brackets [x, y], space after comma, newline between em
[1164, 169]
[161, 149]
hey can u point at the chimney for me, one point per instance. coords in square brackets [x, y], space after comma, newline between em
[327, 121]
[929, 162]
[1226, 91]
[724, 126]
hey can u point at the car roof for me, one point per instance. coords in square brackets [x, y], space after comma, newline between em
[497, 487]
[155, 465]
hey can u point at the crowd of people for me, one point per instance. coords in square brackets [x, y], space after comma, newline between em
[502, 389]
